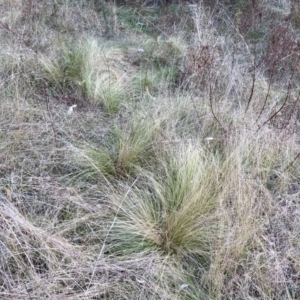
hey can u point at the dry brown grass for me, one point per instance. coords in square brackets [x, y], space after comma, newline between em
[177, 175]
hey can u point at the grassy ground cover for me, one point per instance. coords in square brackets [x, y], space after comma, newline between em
[149, 152]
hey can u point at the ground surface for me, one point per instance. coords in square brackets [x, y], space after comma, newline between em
[149, 152]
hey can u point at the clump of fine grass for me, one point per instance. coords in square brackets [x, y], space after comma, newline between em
[89, 69]
[164, 51]
[159, 61]
[128, 150]
[175, 214]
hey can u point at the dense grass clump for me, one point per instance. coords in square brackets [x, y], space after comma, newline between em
[175, 213]
[149, 151]
[128, 151]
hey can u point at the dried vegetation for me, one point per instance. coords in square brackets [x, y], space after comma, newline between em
[149, 153]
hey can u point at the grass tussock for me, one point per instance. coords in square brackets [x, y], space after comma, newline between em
[176, 216]
[128, 151]
[91, 70]
[149, 153]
